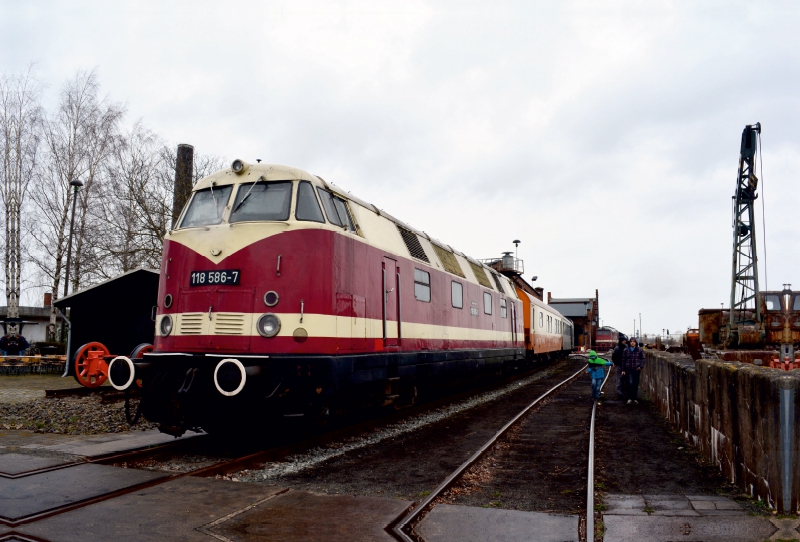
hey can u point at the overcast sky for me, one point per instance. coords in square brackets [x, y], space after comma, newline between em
[603, 135]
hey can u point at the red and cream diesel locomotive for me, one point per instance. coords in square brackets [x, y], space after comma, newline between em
[281, 295]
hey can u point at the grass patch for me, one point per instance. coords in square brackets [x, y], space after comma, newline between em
[497, 495]
[567, 491]
[600, 507]
[649, 510]
[599, 485]
[424, 493]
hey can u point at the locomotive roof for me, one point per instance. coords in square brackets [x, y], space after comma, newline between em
[279, 172]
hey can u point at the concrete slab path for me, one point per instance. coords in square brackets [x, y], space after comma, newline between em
[449, 523]
[691, 518]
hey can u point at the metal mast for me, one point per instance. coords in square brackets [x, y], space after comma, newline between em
[744, 275]
[13, 158]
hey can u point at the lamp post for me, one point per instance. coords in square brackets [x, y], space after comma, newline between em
[76, 184]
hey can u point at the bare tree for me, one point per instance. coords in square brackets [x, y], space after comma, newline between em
[78, 139]
[20, 123]
[135, 208]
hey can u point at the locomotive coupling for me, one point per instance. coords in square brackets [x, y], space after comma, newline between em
[230, 376]
[122, 372]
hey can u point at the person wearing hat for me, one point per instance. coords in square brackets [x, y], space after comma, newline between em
[616, 359]
[597, 370]
[632, 365]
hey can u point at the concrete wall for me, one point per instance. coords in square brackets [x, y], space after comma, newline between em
[732, 413]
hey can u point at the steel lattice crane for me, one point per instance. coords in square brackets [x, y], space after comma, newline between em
[744, 274]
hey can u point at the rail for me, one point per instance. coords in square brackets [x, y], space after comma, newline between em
[590, 473]
[402, 523]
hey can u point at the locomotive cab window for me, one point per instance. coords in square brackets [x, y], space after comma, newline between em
[262, 201]
[796, 303]
[422, 285]
[336, 209]
[487, 303]
[457, 291]
[503, 309]
[773, 302]
[307, 205]
[206, 207]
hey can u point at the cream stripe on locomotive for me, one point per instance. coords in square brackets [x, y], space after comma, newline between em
[324, 325]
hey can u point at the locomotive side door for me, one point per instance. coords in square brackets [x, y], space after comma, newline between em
[390, 302]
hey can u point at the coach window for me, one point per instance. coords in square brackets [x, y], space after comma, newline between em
[262, 201]
[307, 205]
[207, 206]
[336, 209]
[503, 309]
[487, 303]
[422, 285]
[796, 303]
[541, 320]
[457, 291]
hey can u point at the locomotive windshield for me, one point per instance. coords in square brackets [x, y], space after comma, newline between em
[262, 201]
[206, 207]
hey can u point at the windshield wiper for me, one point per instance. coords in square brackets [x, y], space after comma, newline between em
[248, 194]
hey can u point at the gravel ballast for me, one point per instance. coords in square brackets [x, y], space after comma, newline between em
[70, 416]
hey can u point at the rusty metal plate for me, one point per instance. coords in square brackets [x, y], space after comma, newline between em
[175, 510]
[23, 497]
[302, 516]
[19, 463]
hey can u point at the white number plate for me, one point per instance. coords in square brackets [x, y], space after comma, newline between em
[204, 278]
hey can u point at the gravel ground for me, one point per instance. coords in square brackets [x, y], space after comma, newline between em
[541, 463]
[409, 458]
[70, 415]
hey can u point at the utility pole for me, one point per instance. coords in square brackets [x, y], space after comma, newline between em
[76, 184]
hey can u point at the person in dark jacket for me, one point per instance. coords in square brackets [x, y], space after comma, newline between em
[14, 344]
[616, 359]
[632, 365]
[597, 370]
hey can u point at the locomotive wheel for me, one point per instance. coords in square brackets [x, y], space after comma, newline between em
[138, 353]
[91, 369]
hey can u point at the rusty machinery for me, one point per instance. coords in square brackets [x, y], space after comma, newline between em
[757, 323]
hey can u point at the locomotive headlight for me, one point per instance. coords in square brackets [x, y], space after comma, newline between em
[268, 325]
[165, 326]
[237, 166]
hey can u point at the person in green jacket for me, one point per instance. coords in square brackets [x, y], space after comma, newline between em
[597, 370]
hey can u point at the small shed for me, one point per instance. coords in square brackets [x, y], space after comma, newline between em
[118, 313]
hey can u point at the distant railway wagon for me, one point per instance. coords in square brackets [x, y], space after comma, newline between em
[282, 295]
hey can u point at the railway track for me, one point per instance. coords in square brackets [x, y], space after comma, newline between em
[403, 527]
[215, 461]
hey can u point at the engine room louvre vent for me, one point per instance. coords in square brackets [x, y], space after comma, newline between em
[480, 274]
[191, 323]
[413, 245]
[229, 323]
[448, 260]
[499, 283]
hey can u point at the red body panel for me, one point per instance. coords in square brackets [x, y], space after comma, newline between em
[333, 274]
